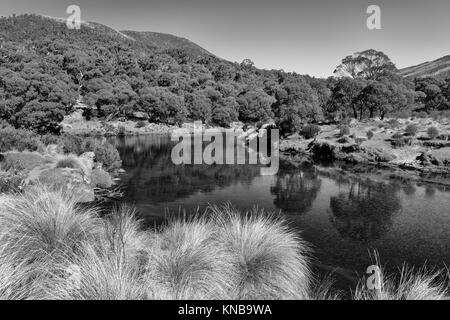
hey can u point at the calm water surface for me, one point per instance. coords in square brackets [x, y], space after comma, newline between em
[344, 217]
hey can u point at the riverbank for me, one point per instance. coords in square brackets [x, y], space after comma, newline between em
[405, 146]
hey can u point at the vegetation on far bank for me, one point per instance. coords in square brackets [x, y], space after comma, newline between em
[47, 69]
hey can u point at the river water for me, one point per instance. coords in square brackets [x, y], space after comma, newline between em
[345, 217]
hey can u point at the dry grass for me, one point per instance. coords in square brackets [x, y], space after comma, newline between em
[421, 285]
[268, 261]
[41, 225]
[52, 249]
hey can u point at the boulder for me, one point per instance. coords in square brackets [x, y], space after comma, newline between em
[140, 115]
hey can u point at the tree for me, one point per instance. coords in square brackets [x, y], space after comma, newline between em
[199, 107]
[344, 95]
[255, 105]
[369, 64]
[430, 95]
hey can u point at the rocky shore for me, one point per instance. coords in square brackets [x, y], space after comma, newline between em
[388, 146]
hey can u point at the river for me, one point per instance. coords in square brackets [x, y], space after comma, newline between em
[344, 217]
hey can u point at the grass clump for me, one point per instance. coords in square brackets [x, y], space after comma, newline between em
[52, 249]
[43, 225]
[268, 260]
[421, 285]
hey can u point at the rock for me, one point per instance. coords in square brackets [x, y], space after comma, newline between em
[379, 154]
[140, 115]
[357, 158]
[237, 125]
[88, 159]
[345, 139]
[438, 157]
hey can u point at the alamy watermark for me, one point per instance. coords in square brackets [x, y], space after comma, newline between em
[74, 20]
[227, 146]
[374, 20]
[374, 280]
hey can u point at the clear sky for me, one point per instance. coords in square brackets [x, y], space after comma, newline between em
[308, 37]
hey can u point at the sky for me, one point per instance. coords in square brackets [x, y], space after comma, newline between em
[307, 37]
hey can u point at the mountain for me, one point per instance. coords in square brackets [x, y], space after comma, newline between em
[437, 68]
[166, 41]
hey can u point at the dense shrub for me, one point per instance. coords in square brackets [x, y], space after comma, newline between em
[18, 139]
[433, 132]
[411, 129]
[310, 131]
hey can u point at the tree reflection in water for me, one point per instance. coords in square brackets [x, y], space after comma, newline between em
[152, 177]
[295, 191]
[364, 212]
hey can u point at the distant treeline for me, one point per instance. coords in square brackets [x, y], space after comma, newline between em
[45, 68]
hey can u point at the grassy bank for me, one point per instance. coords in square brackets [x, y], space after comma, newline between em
[50, 248]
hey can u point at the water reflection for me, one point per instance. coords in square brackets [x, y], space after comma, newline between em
[364, 211]
[153, 178]
[295, 191]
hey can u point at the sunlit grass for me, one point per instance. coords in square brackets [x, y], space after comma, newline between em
[50, 248]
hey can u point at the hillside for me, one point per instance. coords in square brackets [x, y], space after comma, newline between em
[437, 68]
[45, 68]
[167, 42]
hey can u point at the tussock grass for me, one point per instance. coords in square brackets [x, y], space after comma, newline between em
[42, 225]
[268, 261]
[73, 162]
[420, 285]
[186, 262]
[52, 249]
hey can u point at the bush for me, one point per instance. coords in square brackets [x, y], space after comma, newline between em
[393, 123]
[105, 152]
[18, 139]
[10, 181]
[141, 124]
[310, 131]
[369, 134]
[433, 132]
[411, 129]
[344, 130]
[100, 178]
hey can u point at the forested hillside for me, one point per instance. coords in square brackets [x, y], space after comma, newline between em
[46, 67]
